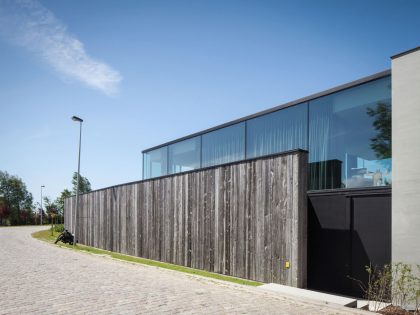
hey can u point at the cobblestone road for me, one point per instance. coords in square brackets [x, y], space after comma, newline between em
[39, 278]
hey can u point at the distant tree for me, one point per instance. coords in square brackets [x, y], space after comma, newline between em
[50, 206]
[38, 213]
[381, 143]
[4, 212]
[59, 202]
[52, 211]
[15, 198]
[84, 184]
[27, 216]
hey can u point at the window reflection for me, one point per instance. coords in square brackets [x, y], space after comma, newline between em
[224, 145]
[155, 163]
[279, 131]
[184, 156]
[350, 137]
[381, 142]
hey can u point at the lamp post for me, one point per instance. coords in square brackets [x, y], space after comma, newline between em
[41, 203]
[75, 118]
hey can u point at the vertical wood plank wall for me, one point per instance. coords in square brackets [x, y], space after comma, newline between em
[244, 219]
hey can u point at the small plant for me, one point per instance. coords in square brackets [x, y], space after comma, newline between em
[417, 291]
[405, 286]
[395, 284]
[378, 288]
[59, 228]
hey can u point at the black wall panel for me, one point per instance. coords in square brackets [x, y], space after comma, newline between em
[347, 231]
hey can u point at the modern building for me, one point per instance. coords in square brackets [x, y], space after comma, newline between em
[352, 132]
[362, 192]
[347, 133]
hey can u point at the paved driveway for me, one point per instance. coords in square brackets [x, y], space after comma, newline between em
[36, 277]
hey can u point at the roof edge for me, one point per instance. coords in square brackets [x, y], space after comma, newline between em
[405, 52]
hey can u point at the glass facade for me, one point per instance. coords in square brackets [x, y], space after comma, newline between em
[224, 145]
[184, 155]
[347, 134]
[350, 137]
[155, 163]
[279, 131]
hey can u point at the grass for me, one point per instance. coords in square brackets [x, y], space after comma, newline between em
[46, 236]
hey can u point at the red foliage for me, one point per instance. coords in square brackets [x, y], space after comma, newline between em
[4, 211]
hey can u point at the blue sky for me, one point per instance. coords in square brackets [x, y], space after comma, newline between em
[141, 73]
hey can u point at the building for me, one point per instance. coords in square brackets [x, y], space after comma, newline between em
[359, 198]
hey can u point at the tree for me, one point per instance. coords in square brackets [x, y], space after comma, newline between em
[52, 211]
[4, 211]
[50, 206]
[15, 198]
[39, 213]
[84, 184]
[27, 216]
[59, 202]
[381, 143]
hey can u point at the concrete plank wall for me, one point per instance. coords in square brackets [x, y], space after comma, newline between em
[406, 158]
[244, 219]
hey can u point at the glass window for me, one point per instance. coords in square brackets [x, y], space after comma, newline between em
[276, 132]
[224, 145]
[155, 163]
[184, 155]
[350, 137]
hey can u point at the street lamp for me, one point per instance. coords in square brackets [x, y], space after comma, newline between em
[75, 118]
[41, 202]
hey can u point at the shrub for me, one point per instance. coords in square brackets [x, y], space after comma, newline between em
[395, 284]
[59, 228]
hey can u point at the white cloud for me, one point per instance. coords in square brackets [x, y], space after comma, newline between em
[30, 25]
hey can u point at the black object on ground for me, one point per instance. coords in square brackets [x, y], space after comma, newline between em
[65, 237]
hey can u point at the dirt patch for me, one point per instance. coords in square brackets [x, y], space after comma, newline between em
[395, 310]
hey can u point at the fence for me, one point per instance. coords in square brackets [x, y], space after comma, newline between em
[246, 219]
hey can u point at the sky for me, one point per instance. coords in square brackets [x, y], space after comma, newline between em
[141, 73]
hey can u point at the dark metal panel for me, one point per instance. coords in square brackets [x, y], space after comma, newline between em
[347, 230]
[371, 235]
[328, 244]
[352, 191]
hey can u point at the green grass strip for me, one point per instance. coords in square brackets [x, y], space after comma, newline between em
[47, 237]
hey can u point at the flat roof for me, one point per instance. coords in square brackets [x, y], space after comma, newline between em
[405, 52]
[276, 108]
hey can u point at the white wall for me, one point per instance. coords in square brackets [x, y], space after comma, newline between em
[406, 158]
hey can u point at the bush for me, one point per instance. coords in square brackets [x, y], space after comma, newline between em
[396, 284]
[59, 228]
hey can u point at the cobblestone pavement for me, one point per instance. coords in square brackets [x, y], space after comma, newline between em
[39, 278]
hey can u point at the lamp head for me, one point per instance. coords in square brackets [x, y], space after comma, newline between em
[75, 118]
[42, 186]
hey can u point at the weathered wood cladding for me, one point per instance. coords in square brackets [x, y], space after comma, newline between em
[244, 219]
